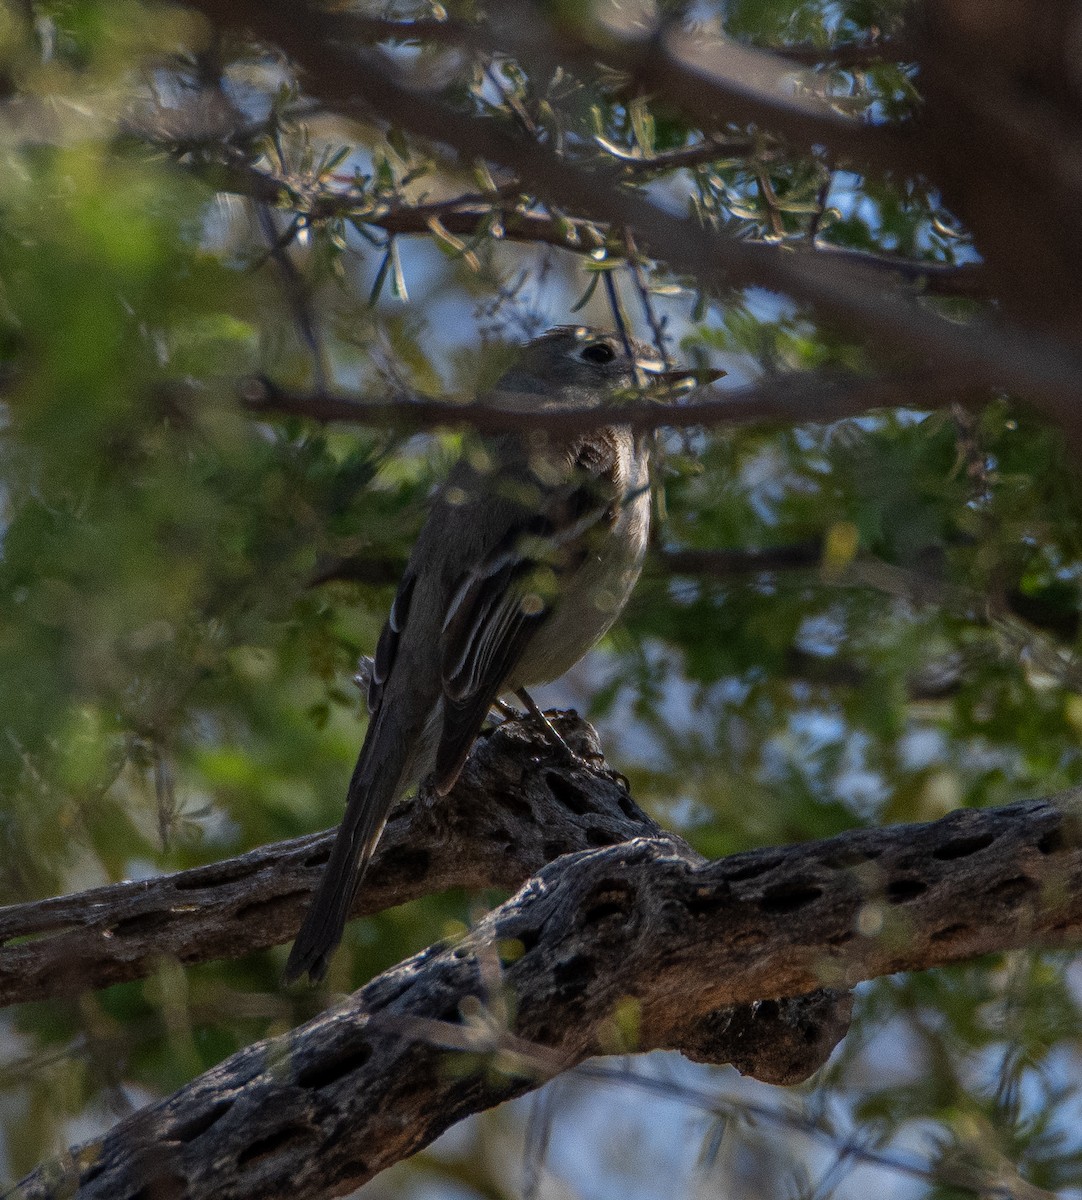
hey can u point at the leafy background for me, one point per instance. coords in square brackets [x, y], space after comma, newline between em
[175, 688]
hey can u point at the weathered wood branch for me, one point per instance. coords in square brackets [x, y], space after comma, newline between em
[516, 807]
[640, 944]
[1002, 119]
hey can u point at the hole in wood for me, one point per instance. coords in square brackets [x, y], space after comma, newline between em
[282, 1139]
[214, 876]
[597, 835]
[148, 922]
[1053, 842]
[270, 905]
[611, 898]
[323, 1074]
[578, 970]
[199, 1124]
[515, 805]
[948, 932]
[901, 890]
[1011, 891]
[627, 807]
[528, 937]
[751, 870]
[570, 796]
[705, 902]
[790, 897]
[406, 860]
[962, 847]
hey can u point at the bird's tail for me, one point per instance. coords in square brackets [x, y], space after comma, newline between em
[378, 780]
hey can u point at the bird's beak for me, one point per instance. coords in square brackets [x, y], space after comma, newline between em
[664, 385]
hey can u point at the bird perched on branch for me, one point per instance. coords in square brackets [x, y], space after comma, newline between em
[530, 551]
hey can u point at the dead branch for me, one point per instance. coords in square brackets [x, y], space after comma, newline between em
[514, 808]
[641, 945]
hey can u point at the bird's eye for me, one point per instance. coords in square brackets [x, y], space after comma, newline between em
[599, 352]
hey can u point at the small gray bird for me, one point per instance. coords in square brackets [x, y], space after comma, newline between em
[530, 551]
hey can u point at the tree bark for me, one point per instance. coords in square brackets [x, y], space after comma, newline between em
[517, 805]
[641, 945]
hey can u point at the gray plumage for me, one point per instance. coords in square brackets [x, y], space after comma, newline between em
[530, 551]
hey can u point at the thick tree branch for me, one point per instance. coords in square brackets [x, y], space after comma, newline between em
[479, 35]
[516, 807]
[725, 79]
[1002, 120]
[640, 944]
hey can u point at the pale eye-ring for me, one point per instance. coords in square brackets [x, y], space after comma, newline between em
[598, 352]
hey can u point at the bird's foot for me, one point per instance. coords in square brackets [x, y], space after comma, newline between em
[594, 762]
[617, 777]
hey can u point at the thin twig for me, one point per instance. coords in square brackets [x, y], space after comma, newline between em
[296, 290]
[770, 202]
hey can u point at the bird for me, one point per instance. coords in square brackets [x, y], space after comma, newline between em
[529, 552]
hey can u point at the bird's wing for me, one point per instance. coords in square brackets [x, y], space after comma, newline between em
[501, 603]
[387, 646]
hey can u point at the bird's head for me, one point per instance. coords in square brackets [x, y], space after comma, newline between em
[576, 365]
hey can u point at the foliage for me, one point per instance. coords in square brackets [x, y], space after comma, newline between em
[175, 214]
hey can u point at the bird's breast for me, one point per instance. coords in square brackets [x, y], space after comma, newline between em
[593, 595]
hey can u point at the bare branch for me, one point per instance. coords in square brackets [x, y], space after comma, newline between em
[295, 287]
[699, 154]
[376, 572]
[790, 399]
[710, 78]
[514, 808]
[640, 944]
[1020, 640]
[934, 278]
